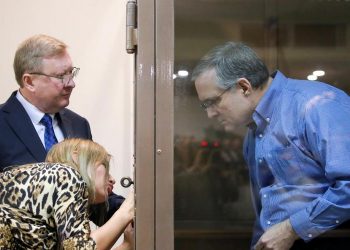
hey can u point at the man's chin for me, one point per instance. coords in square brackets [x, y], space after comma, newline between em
[235, 129]
[229, 128]
[64, 103]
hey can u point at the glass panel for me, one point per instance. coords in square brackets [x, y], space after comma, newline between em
[213, 208]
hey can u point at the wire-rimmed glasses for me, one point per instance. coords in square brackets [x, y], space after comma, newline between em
[210, 102]
[65, 79]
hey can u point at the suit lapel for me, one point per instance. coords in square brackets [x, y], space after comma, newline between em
[65, 124]
[22, 126]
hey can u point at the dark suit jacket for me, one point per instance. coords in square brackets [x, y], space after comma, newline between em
[20, 143]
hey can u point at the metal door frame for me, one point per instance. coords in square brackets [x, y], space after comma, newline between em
[154, 126]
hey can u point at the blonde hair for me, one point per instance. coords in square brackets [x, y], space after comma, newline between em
[30, 53]
[84, 155]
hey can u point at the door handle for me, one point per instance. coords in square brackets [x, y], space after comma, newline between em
[126, 182]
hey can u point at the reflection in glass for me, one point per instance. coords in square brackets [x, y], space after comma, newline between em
[213, 207]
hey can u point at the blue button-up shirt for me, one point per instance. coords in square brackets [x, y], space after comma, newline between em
[298, 154]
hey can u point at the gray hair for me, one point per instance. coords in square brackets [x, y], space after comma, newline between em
[232, 61]
[30, 53]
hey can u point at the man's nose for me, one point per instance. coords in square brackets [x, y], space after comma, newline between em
[211, 112]
[70, 84]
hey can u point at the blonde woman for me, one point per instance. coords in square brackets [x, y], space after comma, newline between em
[46, 205]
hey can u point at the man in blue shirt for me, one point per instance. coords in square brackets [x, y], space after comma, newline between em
[297, 145]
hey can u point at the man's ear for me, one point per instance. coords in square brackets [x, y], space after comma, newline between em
[244, 86]
[27, 82]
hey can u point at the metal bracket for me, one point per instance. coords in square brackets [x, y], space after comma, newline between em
[131, 26]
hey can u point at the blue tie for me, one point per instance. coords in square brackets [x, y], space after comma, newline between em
[49, 136]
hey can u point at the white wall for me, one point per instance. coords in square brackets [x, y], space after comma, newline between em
[95, 33]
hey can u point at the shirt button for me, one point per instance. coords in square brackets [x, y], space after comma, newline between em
[268, 119]
[337, 221]
[268, 222]
[260, 135]
[260, 160]
[310, 235]
[264, 195]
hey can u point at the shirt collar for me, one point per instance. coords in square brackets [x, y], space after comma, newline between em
[34, 113]
[264, 111]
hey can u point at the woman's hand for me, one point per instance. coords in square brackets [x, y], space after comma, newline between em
[128, 243]
[128, 206]
[108, 234]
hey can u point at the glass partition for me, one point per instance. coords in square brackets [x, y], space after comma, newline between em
[212, 203]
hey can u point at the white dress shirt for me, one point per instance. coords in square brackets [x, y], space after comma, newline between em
[36, 115]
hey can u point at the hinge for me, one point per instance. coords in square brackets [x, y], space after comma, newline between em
[131, 26]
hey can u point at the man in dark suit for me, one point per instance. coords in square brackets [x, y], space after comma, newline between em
[45, 74]
[20, 143]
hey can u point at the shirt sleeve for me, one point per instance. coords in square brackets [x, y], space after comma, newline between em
[327, 135]
[71, 211]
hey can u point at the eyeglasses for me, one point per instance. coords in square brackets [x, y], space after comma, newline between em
[214, 101]
[65, 79]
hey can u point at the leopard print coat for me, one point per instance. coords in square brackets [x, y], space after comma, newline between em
[44, 206]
